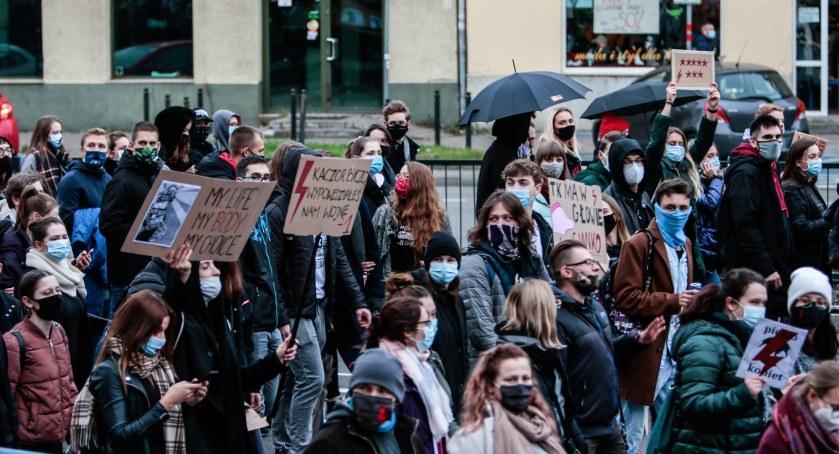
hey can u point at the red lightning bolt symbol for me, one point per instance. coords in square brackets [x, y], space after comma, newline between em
[301, 189]
[766, 355]
[679, 76]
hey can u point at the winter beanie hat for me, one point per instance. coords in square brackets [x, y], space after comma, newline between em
[808, 280]
[379, 367]
[441, 243]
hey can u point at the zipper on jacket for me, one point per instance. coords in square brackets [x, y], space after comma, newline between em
[58, 369]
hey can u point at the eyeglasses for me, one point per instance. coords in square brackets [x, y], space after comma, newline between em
[4, 150]
[587, 262]
[258, 178]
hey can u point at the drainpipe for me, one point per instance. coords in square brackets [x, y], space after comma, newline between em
[461, 55]
[386, 53]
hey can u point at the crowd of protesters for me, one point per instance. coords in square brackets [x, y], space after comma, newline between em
[509, 343]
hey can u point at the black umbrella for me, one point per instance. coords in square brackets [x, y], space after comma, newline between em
[520, 93]
[638, 98]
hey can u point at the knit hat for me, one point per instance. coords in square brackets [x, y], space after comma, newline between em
[441, 243]
[379, 367]
[808, 280]
[612, 122]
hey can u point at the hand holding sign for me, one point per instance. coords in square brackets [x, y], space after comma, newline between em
[692, 69]
[771, 353]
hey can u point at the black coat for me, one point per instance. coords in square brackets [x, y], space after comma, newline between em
[809, 228]
[13, 246]
[375, 195]
[509, 133]
[546, 235]
[340, 435]
[396, 157]
[198, 150]
[8, 407]
[12, 312]
[213, 166]
[121, 202]
[211, 340]
[124, 416]
[81, 188]
[635, 206]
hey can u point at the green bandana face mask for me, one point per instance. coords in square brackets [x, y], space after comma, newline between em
[145, 155]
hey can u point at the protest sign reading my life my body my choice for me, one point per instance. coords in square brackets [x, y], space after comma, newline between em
[577, 214]
[326, 195]
[214, 216]
[692, 69]
[772, 352]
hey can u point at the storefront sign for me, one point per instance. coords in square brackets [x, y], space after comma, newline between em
[626, 16]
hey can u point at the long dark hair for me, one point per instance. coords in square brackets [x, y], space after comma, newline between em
[397, 316]
[478, 234]
[712, 297]
[791, 169]
[824, 344]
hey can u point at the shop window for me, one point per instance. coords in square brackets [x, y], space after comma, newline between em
[20, 38]
[634, 33]
[153, 38]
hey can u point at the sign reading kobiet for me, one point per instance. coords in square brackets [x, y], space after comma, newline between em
[214, 216]
[326, 195]
[772, 352]
[577, 214]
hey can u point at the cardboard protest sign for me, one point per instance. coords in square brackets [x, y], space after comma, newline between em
[821, 143]
[214, 216]
[326, 195]
[692, 69]
[772, 352]
[577, 214]
[626, 16]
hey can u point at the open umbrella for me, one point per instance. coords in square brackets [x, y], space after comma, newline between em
[520, 93]
[638, 98]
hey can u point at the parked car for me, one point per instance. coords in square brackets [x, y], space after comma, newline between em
[163, 59]
[16, 61]
[8, 123]
[743, 88]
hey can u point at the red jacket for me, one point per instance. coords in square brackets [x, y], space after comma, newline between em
[44, 390]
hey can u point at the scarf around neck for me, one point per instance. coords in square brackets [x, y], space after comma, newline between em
[517, 433]
[69, 277]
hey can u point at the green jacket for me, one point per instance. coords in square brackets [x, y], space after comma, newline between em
[716, 413]
[595, 175]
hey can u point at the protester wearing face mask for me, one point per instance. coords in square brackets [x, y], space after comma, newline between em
[806, 206]
[806, 420]
[504, 411]
[404, 225]
[524, 180]
[562, 128]
[40, 370]
[405, 328]
[498, 256]
[509, 133]
[120, 142]
[368, 420]
[551, 159]
[717, 411]
[51, 252]
[651, 280]
[808, 301]
[34, 204]
[201, 129]
[380, 133]
[210, 301]
[706, 212]
[174, 124]
[7, 154]
[597, 173]
[397, 118]
[377, 189]
[753, 217]
[47, 154]
[530, 323]
[139, 404]
[628, 165]
[224, 123]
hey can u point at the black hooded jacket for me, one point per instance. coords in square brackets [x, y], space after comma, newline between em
[213, 166]
[170, 123]
[293, 254]
[121, 202]
[636, 206]
[509, 133]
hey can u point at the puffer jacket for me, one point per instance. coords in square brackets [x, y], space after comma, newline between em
[706, 211]
[44, 388]
[715, 412]
[636, 206]
[809, 228]
[595, 175]
[386, 224]
[484, 300]
[81, 188]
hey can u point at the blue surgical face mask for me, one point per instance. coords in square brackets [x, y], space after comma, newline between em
[523, 195]
[376, 164]
[94, 158]
[430, 331]
[442, 273]
[210, 287]
[671, 224]
[814, 167]
[58, 250]
[751, 314]
[675, 153]
[153, 346]
[230, 130]
[55, 140]
[715, 162]
[712, 34]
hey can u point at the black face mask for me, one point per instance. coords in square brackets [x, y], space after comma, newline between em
[183, 140]
[110, 166]
[807, 317]
[586, 284]
[50, 307]
[373, 414]
[609, 223]
[565, 133]
[397, 131]
[5, 165]
[516, 398]
[200, 134]
[385, 150]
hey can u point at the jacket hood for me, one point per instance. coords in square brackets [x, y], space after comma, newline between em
[213, 166]
[564, 298]
[517, 337]
[743, 156]
[342, 410]
[512, 130]
[617, 153]
[290, 165]
[220, 132]
[744, 149]
[171, 122]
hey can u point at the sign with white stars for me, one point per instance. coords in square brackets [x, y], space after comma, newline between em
[692, 69]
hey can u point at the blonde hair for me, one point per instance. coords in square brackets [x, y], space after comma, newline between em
[766, 109]
[531, 307]
[693, 174]
[573, 145]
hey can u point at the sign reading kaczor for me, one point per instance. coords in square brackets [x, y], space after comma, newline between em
[577, 214]
[692, 69]
[821, 143]
[326, 195]
[214, 216]
[772, 352]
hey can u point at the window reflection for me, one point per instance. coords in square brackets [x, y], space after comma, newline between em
[20, 38]
[153, 38]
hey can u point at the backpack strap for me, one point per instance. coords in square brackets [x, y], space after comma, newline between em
[648, 265]
[492, 270]
[19, 337]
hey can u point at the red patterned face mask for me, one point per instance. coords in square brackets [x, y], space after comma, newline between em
[402, 187]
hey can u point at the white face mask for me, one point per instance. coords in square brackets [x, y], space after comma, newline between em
[633, 173]
[210, 287]
[828, 418]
